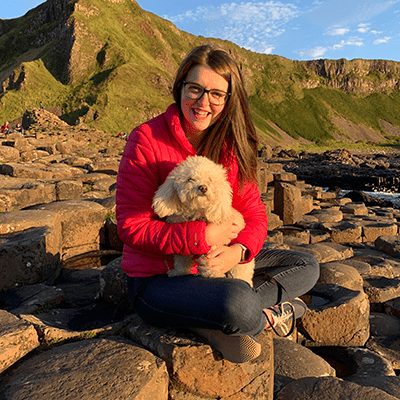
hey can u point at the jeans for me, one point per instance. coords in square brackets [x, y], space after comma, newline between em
[229, 305]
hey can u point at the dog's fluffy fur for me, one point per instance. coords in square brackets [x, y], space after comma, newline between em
[197, 190]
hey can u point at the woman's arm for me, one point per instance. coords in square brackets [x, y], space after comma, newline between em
[141, 171]
[223, 258]
[249, 204]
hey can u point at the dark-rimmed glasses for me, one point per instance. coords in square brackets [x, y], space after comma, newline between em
[194, 91]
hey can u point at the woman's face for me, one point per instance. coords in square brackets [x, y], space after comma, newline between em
[199, 114]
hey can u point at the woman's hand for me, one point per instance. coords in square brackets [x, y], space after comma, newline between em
[223, 234]
[223, 258]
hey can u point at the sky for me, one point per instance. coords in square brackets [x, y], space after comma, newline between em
[295, 29]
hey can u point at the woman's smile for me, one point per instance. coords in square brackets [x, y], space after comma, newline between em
[198, 115]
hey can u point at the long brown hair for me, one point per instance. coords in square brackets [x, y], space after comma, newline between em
[234, 126]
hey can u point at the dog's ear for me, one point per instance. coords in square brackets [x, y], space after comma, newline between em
[166, 200]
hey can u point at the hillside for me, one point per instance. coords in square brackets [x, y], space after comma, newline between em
[110, 65]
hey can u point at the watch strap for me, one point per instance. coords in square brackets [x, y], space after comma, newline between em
[244, 250]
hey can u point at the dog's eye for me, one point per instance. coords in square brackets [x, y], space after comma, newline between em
[190, 180]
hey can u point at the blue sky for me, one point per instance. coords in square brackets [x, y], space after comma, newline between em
[295, 29]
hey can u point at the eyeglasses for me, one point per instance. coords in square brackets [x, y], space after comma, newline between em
[195, 92]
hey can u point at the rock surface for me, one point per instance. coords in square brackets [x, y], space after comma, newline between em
[64, 310]
[354, 170]
[110, 368]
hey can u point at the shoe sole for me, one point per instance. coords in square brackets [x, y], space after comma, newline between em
[299, 307]
[234, 348]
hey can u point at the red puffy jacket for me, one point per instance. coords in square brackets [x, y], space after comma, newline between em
[152, 151]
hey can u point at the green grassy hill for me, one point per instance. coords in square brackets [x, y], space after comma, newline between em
[111, 65]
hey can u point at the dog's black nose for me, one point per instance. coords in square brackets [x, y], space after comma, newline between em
[203, 188]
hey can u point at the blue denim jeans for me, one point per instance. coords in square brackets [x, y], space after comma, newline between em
[229, 305]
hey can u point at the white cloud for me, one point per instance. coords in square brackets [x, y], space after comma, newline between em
[382, 40]
[248, 24]
[333, 13]
[350, 42]
[363, 28]
[338, 46]
[315, 53]
[338, 31]
[266, 49]
[354, 42]
[267, 26]
[319, 51]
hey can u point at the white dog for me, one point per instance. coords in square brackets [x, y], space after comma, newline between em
[197, 190]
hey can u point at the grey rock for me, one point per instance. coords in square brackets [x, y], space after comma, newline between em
[25, 171]
[18, 193]
[373, 231]
[389, 244]
[16, 221]
[33, 154]
[326, 251]
[387, 384]
[380, 289]
[81, 224]
[17, 338]
[327, 215]
[113, 286]
[69, 146]
[287, 202]
[354, 209]
[369, 364]
[384, 339]
[193, 365]
[93, 302]
[30, 299]
[330, 388]
[293, 361]
[343, 232]
[361, 266]
[340, 319]
[340, 274]
[105, 185]
[8, 153]
[103, 167]
[29, 256]
[113, 368]
[68, 189]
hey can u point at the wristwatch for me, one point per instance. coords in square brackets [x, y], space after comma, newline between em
[244, 250]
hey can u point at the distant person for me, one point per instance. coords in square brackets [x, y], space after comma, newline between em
[5, 127]
[122, 135]
[18, 128]
[41, 105]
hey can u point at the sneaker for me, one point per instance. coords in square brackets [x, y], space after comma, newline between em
[234, 348]
[284, 316]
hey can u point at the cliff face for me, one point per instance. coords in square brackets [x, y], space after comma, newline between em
[358, 76]
[45, 33]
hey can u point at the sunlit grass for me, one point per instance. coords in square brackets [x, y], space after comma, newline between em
[123, 66]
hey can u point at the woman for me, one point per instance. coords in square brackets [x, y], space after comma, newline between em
[5, 127]
[210, 117]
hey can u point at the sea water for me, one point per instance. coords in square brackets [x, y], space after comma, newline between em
[393, 197]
